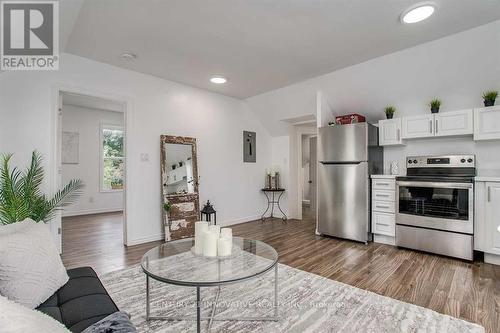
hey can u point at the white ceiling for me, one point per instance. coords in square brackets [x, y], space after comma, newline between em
[259, 45]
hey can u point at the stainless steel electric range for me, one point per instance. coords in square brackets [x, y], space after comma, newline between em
[435, 205]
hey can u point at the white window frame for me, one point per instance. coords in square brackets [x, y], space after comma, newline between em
[101, 153]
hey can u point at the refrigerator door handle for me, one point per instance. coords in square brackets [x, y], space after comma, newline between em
[341, 163]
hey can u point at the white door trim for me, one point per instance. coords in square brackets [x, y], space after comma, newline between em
[54, 176]
[301, 131]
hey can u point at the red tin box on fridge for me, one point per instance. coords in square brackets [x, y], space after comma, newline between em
[350, 119]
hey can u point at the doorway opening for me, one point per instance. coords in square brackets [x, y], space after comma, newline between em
[307, 179]
[91, 142]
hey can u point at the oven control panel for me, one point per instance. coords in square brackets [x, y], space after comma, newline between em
[445, 161]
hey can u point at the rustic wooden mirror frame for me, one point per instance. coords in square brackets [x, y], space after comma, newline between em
[185, 208]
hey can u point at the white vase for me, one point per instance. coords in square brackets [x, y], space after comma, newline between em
[394, 168]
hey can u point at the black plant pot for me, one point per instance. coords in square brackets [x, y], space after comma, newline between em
[389, 115]
[489, 102]
[434, 110]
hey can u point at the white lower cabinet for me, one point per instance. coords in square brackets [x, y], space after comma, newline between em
[383, 224]
[384, 209]
[487, 220]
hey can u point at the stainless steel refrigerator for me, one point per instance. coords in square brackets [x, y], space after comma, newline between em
[347, 156]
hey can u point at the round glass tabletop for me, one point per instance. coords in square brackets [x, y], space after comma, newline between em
[175, 263]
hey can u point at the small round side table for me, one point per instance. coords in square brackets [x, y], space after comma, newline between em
[270, 194]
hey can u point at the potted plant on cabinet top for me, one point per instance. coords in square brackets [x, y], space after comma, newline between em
[389, 112]
[435, 104]
[489, 97]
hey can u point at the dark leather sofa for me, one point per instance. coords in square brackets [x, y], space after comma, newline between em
[81, 302]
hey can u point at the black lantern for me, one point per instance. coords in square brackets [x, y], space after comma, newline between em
[208, 210]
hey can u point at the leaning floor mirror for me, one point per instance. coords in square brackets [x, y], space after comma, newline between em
[179, 175]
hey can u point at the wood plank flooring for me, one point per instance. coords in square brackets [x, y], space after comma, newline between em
[470, 291]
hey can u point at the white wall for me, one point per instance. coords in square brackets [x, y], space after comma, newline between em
[158, 107]
[87, 122]
[456, 69]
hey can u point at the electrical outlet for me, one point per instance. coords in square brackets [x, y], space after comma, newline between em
[91, 199]
[144, 157]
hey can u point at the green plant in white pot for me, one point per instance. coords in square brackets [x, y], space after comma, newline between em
[21, 196]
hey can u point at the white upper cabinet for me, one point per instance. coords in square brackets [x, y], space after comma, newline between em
[454, 123]
[418, 126]
[390, 132]
[487, 123]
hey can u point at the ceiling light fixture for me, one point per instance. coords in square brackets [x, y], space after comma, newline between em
[128, 56]
[218, 79]
[418, 12]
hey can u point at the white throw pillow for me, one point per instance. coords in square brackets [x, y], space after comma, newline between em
[15, 318]
[31, 269]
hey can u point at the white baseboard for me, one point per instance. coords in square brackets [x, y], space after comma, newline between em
[384, 239]
[146, 239]
[240, 220]
[157, 237]
[492, 259]
[91, 211]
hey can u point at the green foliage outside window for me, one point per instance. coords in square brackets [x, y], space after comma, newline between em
[112, 159]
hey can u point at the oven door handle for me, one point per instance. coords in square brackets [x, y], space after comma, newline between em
[436, 184]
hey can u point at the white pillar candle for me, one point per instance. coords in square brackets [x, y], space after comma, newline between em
[199, 228]
[210, 243]
[226, 233]
[214, 228]
[225, 247]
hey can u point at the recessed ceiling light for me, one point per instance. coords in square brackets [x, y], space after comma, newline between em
[128, 56]
[418, 13]
[218, 79]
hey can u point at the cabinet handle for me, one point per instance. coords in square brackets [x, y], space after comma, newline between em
[399, 134]
[386, 225]
[430, 126]
[378, 206]
[436, 126]
[382, 195]
[489, 193]
[382, 184]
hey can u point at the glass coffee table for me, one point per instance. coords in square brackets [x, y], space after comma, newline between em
[174, 263]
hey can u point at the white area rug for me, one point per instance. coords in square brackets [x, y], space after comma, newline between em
[308, 303]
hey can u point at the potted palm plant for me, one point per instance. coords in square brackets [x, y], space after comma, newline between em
[389, 112]
[21, 196]
[435, 104]
[489, 97]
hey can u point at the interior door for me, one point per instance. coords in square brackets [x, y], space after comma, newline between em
[179, 171]
[313, 169]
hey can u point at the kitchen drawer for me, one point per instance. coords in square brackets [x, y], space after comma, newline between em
[383, 195]
[383, 224]
[384, 184]
[384, 206]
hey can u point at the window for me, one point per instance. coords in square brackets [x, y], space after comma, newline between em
[112, 161]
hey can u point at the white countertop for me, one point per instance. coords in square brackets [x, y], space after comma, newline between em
[487, 176]
[384, 176]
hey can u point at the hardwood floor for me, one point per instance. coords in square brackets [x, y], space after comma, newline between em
[470, 291]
